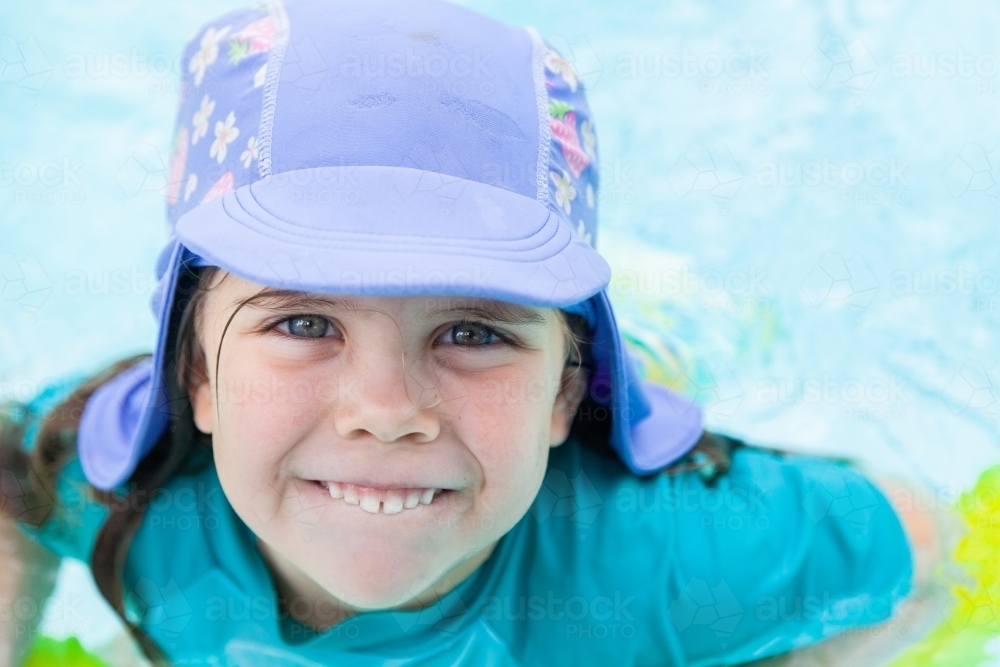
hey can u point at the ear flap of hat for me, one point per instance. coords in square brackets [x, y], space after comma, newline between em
[126, 416]
[652, 426]
[114, 419]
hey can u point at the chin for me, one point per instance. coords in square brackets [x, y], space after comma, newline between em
[376, 583]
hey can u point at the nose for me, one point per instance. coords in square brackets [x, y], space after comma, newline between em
[387, 398]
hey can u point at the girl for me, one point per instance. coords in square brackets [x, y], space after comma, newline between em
[389, 417]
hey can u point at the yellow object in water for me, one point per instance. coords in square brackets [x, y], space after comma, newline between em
[971, 634]
[49, 652]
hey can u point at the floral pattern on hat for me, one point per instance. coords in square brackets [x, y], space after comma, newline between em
[554, 62]
[200, 120]
[221, 187]
[565, 192]
[250, 154]
[222, 97]
[589, 140]
[191, 186]
[207, 54]
[257, 37]
[175, 177]
[218, 119]
[573, 155]
[562, 122]
[225, 134]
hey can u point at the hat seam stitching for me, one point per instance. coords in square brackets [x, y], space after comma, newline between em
[275, 58]
[538, 52]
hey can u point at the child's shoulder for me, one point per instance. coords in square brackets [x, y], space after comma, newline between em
[756, 478]
[765, 499]
[777, 549]
[189, 532]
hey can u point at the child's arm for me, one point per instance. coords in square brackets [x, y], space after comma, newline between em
[31, 548]
[27, 578]
[782, 552]
[933, 532]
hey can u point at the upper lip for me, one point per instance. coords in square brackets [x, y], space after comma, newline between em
[381, 485]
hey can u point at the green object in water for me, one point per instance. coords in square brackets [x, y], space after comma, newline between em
[49, 652]
[971, 634]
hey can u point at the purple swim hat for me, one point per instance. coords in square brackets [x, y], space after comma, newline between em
[385, 147]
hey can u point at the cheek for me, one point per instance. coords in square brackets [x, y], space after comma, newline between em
[262, 400]
[505, 422]
[263, 411]
[507, 409]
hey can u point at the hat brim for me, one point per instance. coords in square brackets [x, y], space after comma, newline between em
[394, 231]
[433, 235]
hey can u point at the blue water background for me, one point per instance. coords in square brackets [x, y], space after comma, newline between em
[799, 202]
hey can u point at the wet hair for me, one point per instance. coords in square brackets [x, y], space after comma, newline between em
[183, 449]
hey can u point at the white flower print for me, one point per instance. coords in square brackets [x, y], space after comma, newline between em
[589, 140]
[250, 153]
[225, 134]
[192, 183]
[200, 122]
[582, 231]
[565, 192]
[207, 54]
[258, 78]
[556, 63]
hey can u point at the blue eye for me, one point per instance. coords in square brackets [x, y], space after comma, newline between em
[463, 334]
[474, 334]
[306, 326]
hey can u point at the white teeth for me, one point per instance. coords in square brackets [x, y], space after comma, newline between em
[389, 501]
[412, 500]
[370, 502]
[393, 505]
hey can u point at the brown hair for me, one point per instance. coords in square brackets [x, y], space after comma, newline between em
[184, 449]
[181, 449]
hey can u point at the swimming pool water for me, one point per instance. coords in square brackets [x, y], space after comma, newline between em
[799, 203]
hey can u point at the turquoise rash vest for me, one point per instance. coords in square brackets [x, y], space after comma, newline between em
[605, 568]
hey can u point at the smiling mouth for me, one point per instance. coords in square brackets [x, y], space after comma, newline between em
[385, 501]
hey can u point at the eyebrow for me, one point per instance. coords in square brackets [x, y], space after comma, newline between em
[497, 311]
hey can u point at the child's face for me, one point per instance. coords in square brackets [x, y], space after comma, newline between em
[391, 394]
